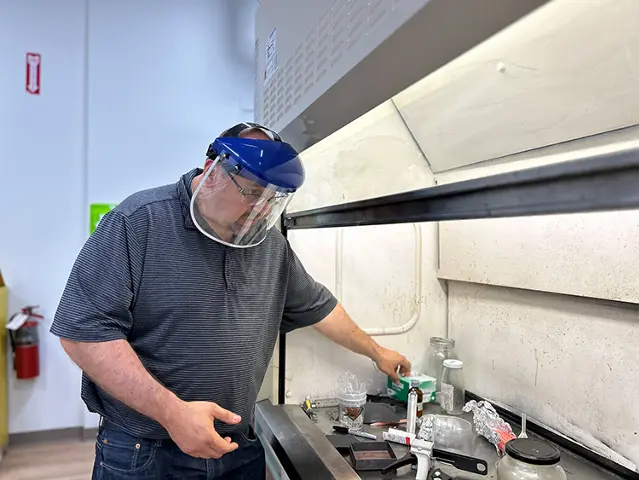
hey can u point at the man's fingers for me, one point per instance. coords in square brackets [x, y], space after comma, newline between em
[393, 374]
[221, 445]
[224, 415]
[404, 367]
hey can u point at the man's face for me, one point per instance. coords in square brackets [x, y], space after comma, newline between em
[230, 201]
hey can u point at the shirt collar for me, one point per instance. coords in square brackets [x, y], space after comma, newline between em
[185, 194]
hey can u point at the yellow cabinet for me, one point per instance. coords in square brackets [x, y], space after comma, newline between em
[4, 417]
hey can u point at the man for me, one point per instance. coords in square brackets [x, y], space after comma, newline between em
[173, 307]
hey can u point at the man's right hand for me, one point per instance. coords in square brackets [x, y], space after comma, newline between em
[117, 369]
[191, 427]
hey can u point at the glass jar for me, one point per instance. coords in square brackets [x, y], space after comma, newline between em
[530, 459]
[439, 350]
[351, 409]
[453, 387]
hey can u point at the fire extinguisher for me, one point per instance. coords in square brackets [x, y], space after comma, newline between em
[23, 332]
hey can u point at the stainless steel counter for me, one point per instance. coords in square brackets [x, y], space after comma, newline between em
[480, 449]
[326, 462]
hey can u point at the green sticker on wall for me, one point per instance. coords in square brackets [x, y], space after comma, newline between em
[97, 211]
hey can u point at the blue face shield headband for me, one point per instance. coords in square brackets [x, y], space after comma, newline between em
[245, 190]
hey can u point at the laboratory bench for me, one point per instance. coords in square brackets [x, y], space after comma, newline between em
[297, 448]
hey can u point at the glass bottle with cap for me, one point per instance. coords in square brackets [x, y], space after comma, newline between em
[530, 459]
[439, 350]
[453, 388]
[414, 387]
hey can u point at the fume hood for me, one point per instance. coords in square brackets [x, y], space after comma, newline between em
[486, 193]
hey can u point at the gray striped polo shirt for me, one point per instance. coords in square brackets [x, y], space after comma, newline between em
[202, 317]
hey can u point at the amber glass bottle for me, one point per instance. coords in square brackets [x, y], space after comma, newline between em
[414, 387]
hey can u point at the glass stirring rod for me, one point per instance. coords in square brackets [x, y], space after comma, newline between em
[523, 426]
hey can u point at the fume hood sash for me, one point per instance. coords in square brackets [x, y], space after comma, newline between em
[604, 182]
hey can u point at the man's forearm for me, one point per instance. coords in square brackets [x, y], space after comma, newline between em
[339, 327]
[116, 368]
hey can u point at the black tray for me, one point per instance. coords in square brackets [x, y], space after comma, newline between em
[342, 443]
[371, 455]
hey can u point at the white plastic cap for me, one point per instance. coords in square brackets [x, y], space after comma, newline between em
[451, 363]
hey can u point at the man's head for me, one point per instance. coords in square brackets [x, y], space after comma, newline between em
[245, 185]
[248, 132]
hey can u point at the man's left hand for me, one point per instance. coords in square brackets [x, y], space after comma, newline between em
[389, 361]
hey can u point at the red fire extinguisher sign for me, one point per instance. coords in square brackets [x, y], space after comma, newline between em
[34, 67]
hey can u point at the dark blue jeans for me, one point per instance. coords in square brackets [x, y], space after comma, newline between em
[120, 456]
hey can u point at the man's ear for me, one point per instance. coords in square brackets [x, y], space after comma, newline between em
[207, 164]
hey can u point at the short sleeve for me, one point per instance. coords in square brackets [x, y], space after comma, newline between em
[307, 301]
[96, 302]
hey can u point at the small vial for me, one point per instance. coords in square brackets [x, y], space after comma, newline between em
[414, 386]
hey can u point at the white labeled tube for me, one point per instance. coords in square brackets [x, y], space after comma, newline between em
[398, 436]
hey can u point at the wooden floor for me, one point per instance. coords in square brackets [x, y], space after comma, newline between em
[49, 461]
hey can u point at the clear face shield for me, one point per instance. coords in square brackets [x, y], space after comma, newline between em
[245, 190]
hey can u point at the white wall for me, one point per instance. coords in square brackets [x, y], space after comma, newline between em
[556, 355]
[568, 362]
[42, 207]
[158, 92]
[162, 88]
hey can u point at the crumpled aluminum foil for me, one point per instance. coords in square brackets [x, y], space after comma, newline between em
[489, 424]
[426, 427]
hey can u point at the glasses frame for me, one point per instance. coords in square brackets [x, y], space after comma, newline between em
[231, 172]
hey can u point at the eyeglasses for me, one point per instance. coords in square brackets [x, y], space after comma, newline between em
[249, 197]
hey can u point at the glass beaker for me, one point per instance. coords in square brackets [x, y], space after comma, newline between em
[452, 433]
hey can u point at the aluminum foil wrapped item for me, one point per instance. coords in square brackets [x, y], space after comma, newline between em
[426, 427]
[489, 424]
